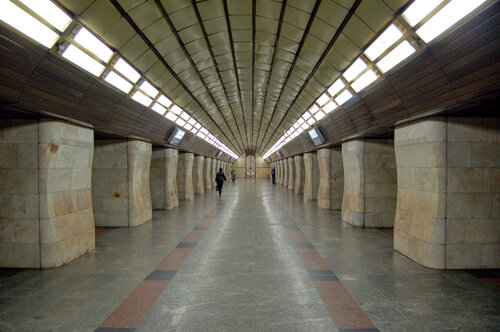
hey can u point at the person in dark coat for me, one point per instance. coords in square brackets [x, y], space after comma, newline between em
[220, 178]
[273, 175]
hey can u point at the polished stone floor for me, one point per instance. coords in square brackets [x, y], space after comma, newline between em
[257, 259]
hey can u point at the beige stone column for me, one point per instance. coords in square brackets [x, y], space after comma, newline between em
[324, 162]
[447, 214]
[285, 173]
[214, 172]
[336, 179]
[291, 173]
[208, 174]
[121, 193]
[299, 175]
[369, 183]
[199, 187]
[278, 171]
[45, 189]
[311, 179]
[185, 176]
[163, 178]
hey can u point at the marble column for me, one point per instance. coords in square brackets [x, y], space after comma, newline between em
[311, 179]
[369, 183]
[447, 214]
[214, 172]
[199, 187]
[121, 193]
[46, 213]
[208, 174]
[299, 175]
[285, 173]
[291, 172]
[163, 178]
[185, 176]
[324, 163]
[336, 179]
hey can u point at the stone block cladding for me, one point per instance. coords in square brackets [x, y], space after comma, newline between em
[448, 207]
[185, 176]
[46, 217]
[299, 175]
[311, 179]
[369, 198]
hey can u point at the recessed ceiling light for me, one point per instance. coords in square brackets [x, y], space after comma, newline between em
[142, 98]
[354, 70]
[27, 24]
[336, 87]
[343, 97]
[419, 9]
[127, 70]
[49, 12]
[329, 107]
[119, 82]
[158, 108]
[164, 101]
[364, 80]
[149, 89]
[386, 40]
[83, 60]
[398, 54]
[94, 45]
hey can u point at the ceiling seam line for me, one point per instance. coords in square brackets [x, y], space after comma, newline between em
[254, 5]
[282, 14]
[228, 23]
[198, 16]
[163, 61]
[193, 64]
[301, 45]
[323, 56]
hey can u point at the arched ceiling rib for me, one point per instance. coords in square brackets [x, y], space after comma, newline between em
[245, 69]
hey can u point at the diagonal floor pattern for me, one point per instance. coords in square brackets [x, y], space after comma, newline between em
[257, 259]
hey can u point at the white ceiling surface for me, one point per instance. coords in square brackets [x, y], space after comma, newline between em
[231, 58]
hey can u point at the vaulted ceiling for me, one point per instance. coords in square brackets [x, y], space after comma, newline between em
[245, 69]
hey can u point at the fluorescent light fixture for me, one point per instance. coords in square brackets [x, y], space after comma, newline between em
[336, 87]
[446, 17]
[193, 130]
[180, 122]
[419, 9]
[83, 60]
[300, 131]
[142, 98]
[127, 70]
[306, 115]
[386, 40]
[398, 54]
[176, 109]
[343, 97]
[300, 121]
[185, 116]
[192, 122]
[204, 130]
[119, 82]
[323, 99]
[149, 89]
[200, 135]
[49, 12]
[320, 115]
[314, 108]
[329, 107]
[164, 101]
[188, 126]
[364, 80]
[296, 125]
[311, 121]
[197, 125]
[171, 116]
[158, 108]
[94, 45]
[27, 24]
[355, 69]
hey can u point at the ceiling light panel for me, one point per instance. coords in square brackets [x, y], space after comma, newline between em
[420, 9]
[158, 108]
[83, 60]
[391, 35]
[49, 12]
[94, 45]
[364, 80]
[127, 70]
[355, 69]
[118, 82]
[142, 98]
[398, 54]
[27, 24]
[343, 97]
[336, 87]
[149, 89]
[165, 101]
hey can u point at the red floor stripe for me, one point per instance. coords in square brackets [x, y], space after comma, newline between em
[343, 309]
[175, 259]
[194, 236]
[132, 311]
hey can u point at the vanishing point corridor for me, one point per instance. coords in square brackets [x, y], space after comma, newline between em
[257, 259]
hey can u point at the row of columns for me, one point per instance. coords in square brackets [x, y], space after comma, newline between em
[437, 183]
[57, 183]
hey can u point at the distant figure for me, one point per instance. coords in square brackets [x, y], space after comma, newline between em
[233, 174]
[220, 178]
[273, 175]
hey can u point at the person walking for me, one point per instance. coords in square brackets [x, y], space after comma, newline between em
[273, 175]
[220, 178]
[233, 175]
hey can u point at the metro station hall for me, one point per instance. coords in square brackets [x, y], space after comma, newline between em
[250, 165]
